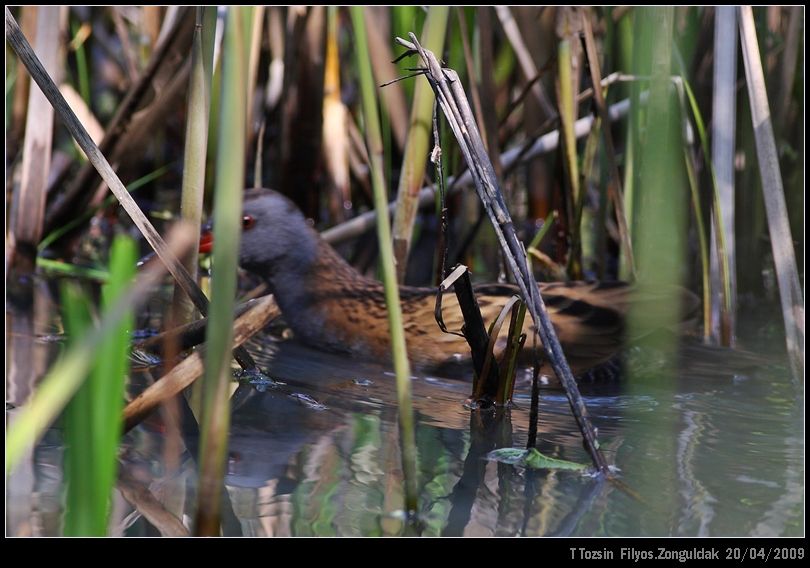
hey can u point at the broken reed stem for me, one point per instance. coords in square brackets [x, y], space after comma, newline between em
[517, 339]
[454, 104]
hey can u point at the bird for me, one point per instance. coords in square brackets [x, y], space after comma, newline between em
[331, 306]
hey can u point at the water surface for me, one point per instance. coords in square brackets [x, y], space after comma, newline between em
[718, 451]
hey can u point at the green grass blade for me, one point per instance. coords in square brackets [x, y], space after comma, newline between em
[417, 147]
[702, 240]
[108, 378]
[717, 216]
[66, 269]
[93, 418]
[660, 222]
[227, 220]
[567, 110]
[81, 510]
[81, 63]
[400, 355]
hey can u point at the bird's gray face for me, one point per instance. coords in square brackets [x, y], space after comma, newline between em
[276, 237]
[277, 242]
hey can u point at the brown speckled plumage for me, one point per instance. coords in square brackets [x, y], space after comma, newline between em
[330, 305]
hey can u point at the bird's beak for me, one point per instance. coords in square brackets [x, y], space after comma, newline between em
[206, 240]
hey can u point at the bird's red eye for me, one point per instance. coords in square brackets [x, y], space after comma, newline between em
[247, 222]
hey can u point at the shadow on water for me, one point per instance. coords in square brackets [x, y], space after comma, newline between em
[320, 456]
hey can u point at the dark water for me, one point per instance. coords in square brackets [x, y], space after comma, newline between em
[720, 452]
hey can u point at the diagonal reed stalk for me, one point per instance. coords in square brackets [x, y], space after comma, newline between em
[787, 275]
[527, 65]
[27, 56]
[253, 319]
[116, 127]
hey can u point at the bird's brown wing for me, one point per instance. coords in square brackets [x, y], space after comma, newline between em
[588, 318]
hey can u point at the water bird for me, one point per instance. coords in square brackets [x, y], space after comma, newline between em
[330, 305]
